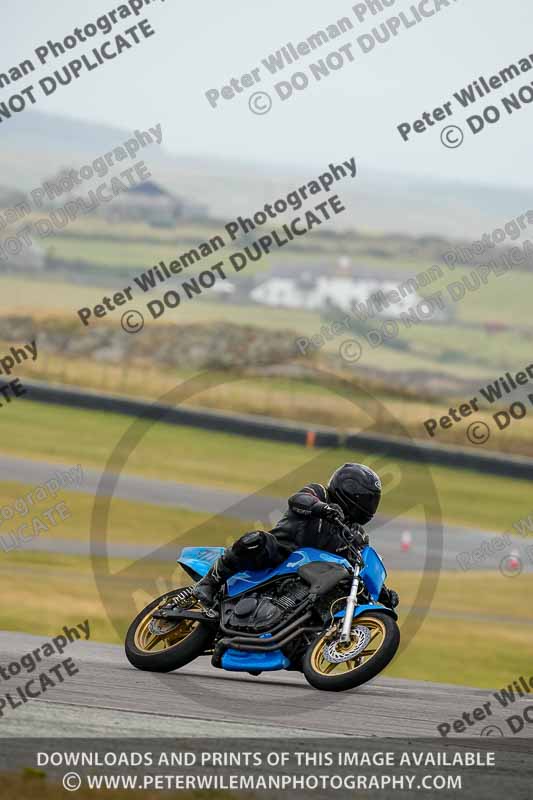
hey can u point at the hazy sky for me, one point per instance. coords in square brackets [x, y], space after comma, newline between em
[201, 45]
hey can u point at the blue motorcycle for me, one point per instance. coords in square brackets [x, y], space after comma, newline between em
[317, 613]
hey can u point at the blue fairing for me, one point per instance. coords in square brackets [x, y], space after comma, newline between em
[374, 572]
[244, 581]
[199, 559]
[362, 609]
[238, 661]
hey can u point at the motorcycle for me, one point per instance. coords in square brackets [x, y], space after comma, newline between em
[317, 613]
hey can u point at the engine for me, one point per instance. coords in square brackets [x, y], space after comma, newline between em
[262, 610]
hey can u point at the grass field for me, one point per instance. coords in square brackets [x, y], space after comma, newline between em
[297, 399]
[378, 249]
[33, 783]
[245, 464]
[451, 349]
[129, 522]
[457, 643]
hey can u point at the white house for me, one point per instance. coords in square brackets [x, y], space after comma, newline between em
[342, 293]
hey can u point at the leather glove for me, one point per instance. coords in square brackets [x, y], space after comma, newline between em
[394, 598]
[358, 537]
[389, 597]
[332, 513]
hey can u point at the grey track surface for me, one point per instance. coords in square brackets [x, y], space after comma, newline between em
[385, 534]
[110, 698]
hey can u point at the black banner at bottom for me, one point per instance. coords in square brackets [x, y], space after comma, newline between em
[311, 767]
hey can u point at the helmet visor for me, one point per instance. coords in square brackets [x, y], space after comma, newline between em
[364, 507]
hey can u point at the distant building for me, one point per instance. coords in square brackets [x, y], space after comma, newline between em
[320, 294]
[147, 202]
[150, 203]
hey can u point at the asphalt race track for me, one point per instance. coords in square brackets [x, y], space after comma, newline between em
[385, 534]
[108, 697]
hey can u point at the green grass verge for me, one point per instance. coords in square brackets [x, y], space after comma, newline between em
[244, 464]
[49, 590]
[33, 783]
[458, 642]
[129, 522]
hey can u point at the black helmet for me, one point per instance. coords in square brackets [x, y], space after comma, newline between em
[357, 490]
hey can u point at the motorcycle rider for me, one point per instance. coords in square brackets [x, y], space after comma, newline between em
[352, 495]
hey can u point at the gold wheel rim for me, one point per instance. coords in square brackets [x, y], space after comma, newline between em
[151, 643]
[377, 638]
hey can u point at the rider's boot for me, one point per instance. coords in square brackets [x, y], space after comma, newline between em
[208, 587]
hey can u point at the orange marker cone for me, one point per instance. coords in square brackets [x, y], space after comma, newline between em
[406, 541]
[513, 561]
[511, 565]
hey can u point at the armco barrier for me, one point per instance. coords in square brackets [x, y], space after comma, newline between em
[280, 431]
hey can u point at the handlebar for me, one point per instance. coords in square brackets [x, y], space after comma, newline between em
[353, 546]
[345, 528]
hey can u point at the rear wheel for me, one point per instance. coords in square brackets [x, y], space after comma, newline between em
[159, 645]
[334, 667]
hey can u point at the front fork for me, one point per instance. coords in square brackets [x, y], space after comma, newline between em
[346, 633]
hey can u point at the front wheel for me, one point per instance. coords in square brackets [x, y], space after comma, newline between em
[334, 667]
[158, 645]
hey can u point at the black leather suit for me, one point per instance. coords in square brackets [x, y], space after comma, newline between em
[300, 526]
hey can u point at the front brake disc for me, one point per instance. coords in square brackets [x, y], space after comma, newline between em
[335, 652]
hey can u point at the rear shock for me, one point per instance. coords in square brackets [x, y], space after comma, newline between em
[184, 598]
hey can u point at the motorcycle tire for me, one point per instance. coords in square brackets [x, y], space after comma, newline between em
[322, 674]
[182, 642]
